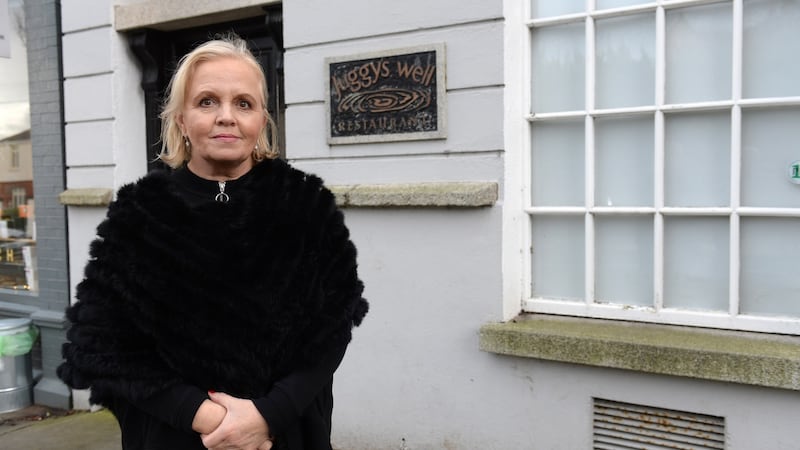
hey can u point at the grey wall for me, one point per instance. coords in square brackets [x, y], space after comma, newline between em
[47, 140]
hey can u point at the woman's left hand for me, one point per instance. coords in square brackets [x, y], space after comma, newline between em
[243, 427]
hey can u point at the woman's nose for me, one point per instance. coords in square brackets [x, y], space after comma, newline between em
[225, 115]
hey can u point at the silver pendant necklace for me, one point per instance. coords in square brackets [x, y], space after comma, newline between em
[222, 197]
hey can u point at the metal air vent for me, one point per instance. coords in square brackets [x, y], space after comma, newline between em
[625, 426]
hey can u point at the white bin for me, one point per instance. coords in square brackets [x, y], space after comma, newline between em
[16, 371]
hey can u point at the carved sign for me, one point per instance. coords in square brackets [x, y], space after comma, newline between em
[396, 95]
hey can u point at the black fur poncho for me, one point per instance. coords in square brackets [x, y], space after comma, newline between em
[229, 297]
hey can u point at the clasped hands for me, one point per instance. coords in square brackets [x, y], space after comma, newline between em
[231, 423]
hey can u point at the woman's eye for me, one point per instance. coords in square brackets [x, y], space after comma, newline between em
[244, 104]
[206, 102]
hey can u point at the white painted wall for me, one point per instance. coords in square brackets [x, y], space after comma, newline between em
[104, 115]
[559, 404]
[413, 372]
[413, 377]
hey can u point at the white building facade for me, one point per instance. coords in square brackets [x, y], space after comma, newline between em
[600, 251]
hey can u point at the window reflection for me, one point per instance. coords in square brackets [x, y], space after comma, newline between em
[17, 216]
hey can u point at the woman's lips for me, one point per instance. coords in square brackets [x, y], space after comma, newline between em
[226, 138]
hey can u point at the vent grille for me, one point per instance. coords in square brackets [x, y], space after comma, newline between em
[624, 426]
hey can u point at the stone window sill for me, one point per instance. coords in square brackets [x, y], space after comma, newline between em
[86, 197]
[718, 355]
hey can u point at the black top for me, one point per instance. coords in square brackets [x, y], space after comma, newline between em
[298, 408]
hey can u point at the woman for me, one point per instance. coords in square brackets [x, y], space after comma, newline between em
[219, 297]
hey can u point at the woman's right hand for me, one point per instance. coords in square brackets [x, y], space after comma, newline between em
[242, 427]
[208, 417]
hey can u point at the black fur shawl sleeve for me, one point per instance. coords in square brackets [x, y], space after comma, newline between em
[229, 297]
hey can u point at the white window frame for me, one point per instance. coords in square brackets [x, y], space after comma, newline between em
[15, 157]
[19, 196]
[518, 213]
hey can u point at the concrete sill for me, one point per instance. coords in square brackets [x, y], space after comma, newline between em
[86, 197]
[467, 194]
[718, 355]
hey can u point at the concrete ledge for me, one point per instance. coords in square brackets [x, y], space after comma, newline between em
[179, 14]
[737, 357]
[10, 309]
[443, 194]
[86, 197]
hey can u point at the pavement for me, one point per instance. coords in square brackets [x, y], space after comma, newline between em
[42, 428]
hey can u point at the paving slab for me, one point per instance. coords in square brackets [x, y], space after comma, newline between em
[42, 428]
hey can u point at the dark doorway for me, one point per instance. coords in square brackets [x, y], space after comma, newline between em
[159, 52]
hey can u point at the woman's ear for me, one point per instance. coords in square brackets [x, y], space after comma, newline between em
[179, 121]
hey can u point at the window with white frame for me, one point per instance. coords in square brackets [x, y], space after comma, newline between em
[19, 197]
[14, 157]
[662, 181]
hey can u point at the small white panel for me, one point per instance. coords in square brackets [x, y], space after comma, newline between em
[406, 169]
[87, 52]
[319, 21]
[82, 14]
[90, 177]
[87, 98]
[89, 143]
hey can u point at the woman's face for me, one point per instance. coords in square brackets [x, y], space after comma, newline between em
[223, 117]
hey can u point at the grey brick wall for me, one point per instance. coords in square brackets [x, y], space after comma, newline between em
[47, 139]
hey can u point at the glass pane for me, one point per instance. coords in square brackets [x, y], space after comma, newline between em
[557, 164]
[624, 162]
[557, 72]
[696, 262]
[17, 234]
[697, 159]
[769, 149]
[624, 260]
[626, 61]
[557, 257]
[549, 8]
[608, 4]
[771, 66]
[699, 41]
[770, 274]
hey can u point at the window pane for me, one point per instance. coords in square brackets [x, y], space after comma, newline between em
[769, 268]
[608, 4]
[624, 260]
[696, 262]
[626, 61]
[557, 55]
[769, 146]
[557, 164]
[699, 53]
[624, 162]
[697, 161]
[557, 262]
[549, 8]
[17, 234]
[771, 66]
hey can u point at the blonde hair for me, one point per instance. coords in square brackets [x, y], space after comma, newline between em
[174, 151]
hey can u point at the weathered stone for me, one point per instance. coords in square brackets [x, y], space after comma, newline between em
[437, 194]
[731, 356]
[86, 197]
